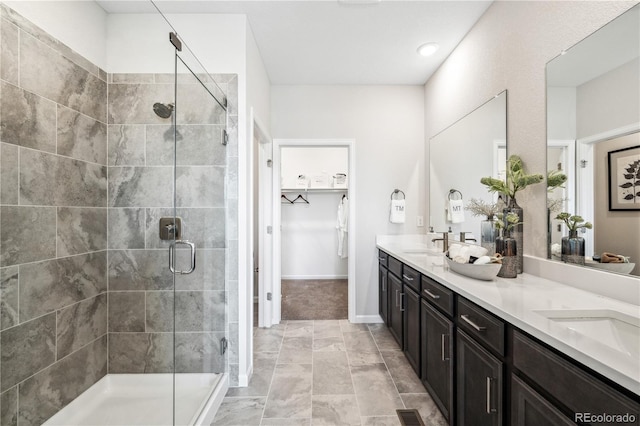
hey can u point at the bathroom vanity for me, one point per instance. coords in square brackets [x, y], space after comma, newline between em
[523, 351]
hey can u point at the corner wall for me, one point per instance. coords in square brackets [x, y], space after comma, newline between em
[508, 49]
[387, 125]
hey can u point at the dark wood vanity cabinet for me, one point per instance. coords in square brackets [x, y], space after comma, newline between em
[383, 289]
[411, 325]
[481, 370]
[437, 344]
[395, 307]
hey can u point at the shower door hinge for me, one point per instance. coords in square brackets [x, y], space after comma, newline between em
[583, 164]
[224, 344]
[269, 296]
[225, 137]
[173, 38]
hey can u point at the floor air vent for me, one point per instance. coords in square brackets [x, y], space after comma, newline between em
[409, 417]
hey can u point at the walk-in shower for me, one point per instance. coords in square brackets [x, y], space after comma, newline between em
[97, 325]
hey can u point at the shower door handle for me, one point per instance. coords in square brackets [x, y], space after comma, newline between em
[192, 249]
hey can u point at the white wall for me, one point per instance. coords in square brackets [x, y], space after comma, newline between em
[387, 123]
[508, 49]
[561, 113]
[81, 25]
[309, 240]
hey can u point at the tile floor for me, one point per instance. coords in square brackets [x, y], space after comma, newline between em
[326, 373]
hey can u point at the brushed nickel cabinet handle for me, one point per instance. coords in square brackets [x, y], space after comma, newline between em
[402, 309]
[489, 409]
[466, 319]
[431, 295]
[406, 277]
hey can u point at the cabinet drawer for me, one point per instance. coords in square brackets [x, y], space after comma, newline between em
[482, 325]
[528, 408]
[437, 295]
[579, 391]
[411, 277]
[395, 267]
[383, 258]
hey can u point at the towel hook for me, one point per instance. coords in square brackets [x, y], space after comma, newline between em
[395, 192]
[455, 191]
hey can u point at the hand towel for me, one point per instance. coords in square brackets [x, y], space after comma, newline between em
[611, 258]
[397, 214]
[456, 210]
[342, 226]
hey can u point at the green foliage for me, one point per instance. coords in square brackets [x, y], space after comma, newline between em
[573, 222]
[517, 179]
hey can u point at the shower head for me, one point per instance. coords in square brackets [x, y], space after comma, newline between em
[163, 110]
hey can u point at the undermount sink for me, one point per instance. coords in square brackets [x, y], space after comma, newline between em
[612, 328]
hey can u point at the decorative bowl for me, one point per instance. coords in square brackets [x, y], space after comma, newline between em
[485, 272]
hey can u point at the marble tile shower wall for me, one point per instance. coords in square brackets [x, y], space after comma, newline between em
[85, 287]
[140, 158]
[53, 223]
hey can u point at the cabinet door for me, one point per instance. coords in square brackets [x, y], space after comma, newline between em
[383, 294]
[479, 384]
[528, 408]
[437, 351]
[411, 325]
[395, 312]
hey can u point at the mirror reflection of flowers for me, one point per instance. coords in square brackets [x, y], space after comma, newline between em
[483, 208]
[517, 179]
[573, 222]
[512, 220]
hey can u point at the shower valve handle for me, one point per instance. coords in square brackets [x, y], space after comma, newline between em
[192, 249]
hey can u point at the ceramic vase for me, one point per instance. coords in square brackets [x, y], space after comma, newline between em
[488, 234]
[517, 232]
[508, 248]
[573, 248]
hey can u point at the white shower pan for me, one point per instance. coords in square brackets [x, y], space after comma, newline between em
[146, 399]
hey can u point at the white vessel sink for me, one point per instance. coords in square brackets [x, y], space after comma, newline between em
[612, 328]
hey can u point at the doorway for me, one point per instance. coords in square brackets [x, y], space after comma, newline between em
[312, 179]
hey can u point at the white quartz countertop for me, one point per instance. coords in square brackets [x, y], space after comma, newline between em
[518, 300]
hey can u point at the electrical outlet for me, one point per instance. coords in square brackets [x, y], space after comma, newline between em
[419, 221]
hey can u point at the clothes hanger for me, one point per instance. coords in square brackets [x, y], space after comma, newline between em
[286, 198]
[300, 197]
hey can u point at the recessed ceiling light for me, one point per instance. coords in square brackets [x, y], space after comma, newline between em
[428, 49]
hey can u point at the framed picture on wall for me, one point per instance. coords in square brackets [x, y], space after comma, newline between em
[624, 179]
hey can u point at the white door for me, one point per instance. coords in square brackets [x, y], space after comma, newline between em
[265, 227]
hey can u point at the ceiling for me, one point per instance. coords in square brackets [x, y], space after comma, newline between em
[306, 42]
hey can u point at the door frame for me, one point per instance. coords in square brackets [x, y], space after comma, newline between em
[277, 217]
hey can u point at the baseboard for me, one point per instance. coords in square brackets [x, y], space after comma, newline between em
[369, 319]
[314, 277]
[243, 379]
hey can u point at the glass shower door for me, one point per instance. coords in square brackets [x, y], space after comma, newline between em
[197, 250]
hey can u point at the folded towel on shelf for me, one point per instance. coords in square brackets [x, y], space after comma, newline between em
[456, 211]
[397, 214]
[612, 258]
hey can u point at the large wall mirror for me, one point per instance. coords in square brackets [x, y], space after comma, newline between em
[593, 136]
[471, 148]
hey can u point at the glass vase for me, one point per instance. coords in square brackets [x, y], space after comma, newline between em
[573, 248]
[517, 232]
[488, 234]
[508, 248]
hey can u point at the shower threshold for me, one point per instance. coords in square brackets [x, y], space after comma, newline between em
[146, 399]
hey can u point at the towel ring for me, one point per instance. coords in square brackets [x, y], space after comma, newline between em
[454, 191]
[396, 191]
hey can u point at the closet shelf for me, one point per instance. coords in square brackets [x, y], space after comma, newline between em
[314, 189]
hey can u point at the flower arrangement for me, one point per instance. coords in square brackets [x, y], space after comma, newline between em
[555, 179]
[511, 221]
[573, 222]
[517, 179]
[483, 208]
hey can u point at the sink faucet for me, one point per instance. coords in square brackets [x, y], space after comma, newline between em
[445, 241]
[463, 237]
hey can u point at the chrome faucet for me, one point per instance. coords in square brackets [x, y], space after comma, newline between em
[463, 237]
[445, 241]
